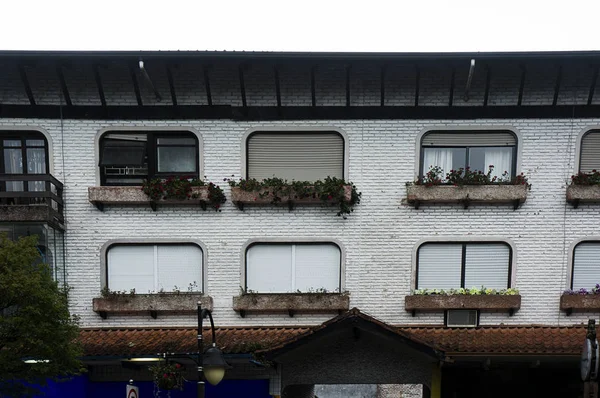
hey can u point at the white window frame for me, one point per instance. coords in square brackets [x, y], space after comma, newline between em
[291, 130]
[115, 242]
[292, 241]
[462, 239]
[571, 259]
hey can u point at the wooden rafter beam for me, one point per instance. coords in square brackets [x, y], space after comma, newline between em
[63, 85]
[26, 85]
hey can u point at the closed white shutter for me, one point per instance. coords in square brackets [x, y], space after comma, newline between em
[590, 152]
[179, 265]
[131, 267]
[317, 267]
[474, 138]
[586, 265]
[269, 268]
[295, 156]
[439, 266]
[487, 265]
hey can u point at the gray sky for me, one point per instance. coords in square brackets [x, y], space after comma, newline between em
[307, 25]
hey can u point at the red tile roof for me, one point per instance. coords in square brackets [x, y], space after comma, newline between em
[503, 340]
[491, 340]
[137, 342]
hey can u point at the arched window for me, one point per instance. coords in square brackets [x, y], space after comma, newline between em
[154, 268]
[299, 156]
[452, 150]
[128, 158]
[586, 265]
[453, 265]
[293, 267]
[589, 158]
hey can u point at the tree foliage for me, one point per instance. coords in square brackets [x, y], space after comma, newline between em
[34, 322]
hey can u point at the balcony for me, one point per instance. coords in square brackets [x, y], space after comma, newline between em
[133, 195]
[291, 303]
[152, 304]
[438, 302]
[513, 195]
[32, 198]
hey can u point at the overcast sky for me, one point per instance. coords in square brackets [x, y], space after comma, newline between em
[306, 25]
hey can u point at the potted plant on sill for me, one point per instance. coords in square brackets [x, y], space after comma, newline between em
[465, 186]
[584, 187]
[474, 298]
[331, 190]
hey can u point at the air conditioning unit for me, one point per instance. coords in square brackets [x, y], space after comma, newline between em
[461, 318]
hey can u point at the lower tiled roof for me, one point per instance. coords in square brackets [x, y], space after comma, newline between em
[137, 342]
[491, 340]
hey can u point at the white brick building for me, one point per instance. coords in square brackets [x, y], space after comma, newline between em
[382, 105]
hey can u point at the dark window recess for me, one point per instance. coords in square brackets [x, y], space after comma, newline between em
[130, 158]
[25, 153]
[452, 150]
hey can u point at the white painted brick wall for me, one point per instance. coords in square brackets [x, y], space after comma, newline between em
[379, 236]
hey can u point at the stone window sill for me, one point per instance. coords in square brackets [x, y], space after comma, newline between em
[491, 303]
[577, 194]
[514, 195]
[153, 304]
[291, 303]
[133, 195]
[580, 303]
[241, 198]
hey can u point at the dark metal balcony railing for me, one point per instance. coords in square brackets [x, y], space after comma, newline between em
[31, 197]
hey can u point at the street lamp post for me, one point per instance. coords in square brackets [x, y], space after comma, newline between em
[211, 365]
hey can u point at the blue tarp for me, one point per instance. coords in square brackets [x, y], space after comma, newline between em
[81, 387]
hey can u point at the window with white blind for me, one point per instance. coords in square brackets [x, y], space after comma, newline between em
[149, 268]
[448, 265]
[452, 150]
[293, 267]
[586, 265]
[589, 158]
[299, 156]
[128, 158]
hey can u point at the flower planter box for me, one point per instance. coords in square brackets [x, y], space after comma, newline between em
[583, 194]
[154, 304]
[133, 195]
[467, 194]
[440, 302]
[580, 303]
[291, 303]
[241, 198]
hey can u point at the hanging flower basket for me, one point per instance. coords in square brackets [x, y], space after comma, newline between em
[167, 376]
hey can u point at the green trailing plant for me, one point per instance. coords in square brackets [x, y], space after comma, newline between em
[180, 188]
[592, 178]
[466, 176]
[330, 190]
[167, 375]
[474, 291]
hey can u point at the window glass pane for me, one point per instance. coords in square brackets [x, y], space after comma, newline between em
[487, 265]
[176, 159]
[13, 161]
[439, 266]
[179, 266]
[500, 157]
[586, 265]
[176, 141]
[35, 143]
[12, 143]
[36, 161]
[446, 158]
[131, 267]
[317, 267]
[269, 268]
[123, 153]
